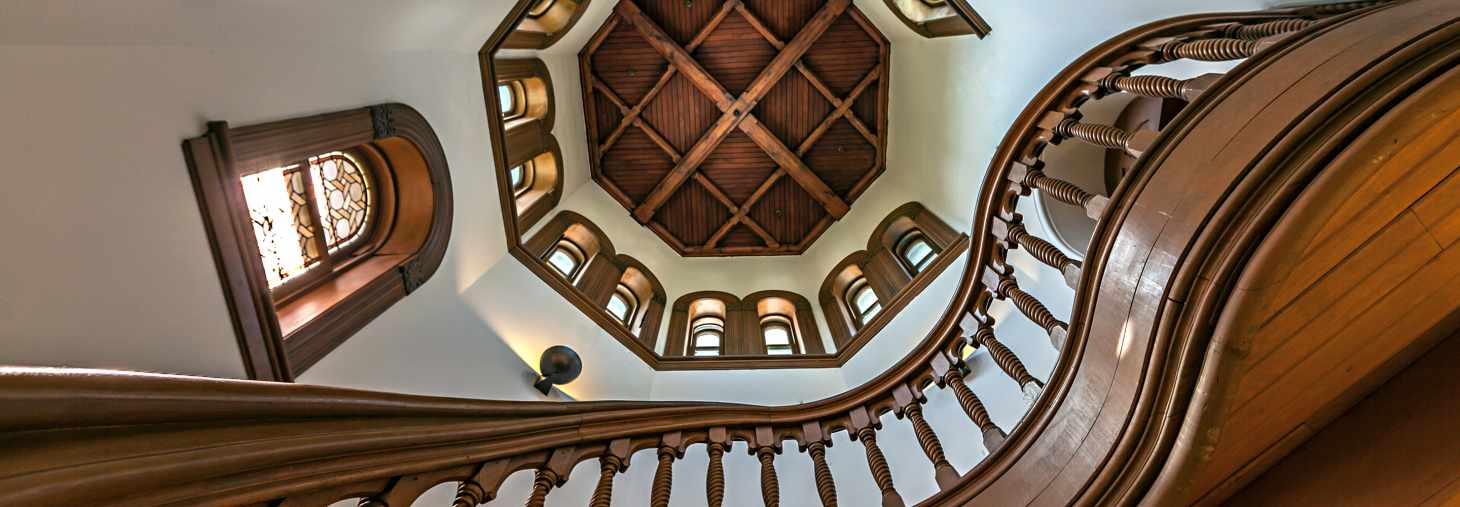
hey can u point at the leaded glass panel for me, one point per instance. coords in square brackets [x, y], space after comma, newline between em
[343, 193]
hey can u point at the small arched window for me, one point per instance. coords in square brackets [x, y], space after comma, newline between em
[522, 176]
[566, 258]
[778, 334]
[863, 301]
[916, 252]
[511, 99]
[706, 335]
[541, 8]
[623, 304]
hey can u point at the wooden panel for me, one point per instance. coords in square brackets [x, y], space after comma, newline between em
[1397, 448]
[721, 98]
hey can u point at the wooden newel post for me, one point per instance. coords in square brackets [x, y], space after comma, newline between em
[865, 426]
[814, 442]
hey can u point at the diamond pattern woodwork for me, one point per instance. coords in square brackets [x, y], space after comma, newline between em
[736, 127]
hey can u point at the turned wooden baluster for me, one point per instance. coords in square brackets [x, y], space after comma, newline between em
[983, 336]
[670, 448]
[717, 445]
[1014, 234]
[482, 486]
[1005, 287]
[1212, 50]
[814, 442]
[864, 426]
[1059, 190]
[541, 485]
[948, 373]
[1105, 136]
[1158, 86]
[765, 448]
[1268, 29]
[910, 401]
[610, 464]
[552, 474]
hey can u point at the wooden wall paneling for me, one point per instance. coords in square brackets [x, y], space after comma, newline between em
[808, 332]
[678, 338]
[600, 279]
[886, 274]
[1394, 448]
[649, 326]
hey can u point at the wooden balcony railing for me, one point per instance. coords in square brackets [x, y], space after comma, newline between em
[1094, 433]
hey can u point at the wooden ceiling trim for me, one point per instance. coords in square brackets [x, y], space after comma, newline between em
[719, 54]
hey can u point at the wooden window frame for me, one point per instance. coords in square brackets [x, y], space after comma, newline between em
[580, 258]
[699, 322]
[956, 17]
[631, 304]
[778, 320]
[861, 317]
[904, 244]
[533, 29]
[520, 100]
[281, 338]
[882, 267]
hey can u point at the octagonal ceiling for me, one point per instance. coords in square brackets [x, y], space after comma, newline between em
[736, 127]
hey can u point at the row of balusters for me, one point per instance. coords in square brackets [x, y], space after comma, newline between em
[1229, 42]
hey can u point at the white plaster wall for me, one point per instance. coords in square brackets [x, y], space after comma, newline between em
[108, 264]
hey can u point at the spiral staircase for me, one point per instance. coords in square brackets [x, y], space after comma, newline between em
[1281, 248]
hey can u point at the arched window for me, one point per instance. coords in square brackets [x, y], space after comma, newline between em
[521, 176]
[566, 258]
[863, 301]
[706, 336]
[940, 18]
[511, 99]
[542, 7]
[320, 224]
[778, 334]
[623, 304]
[915, 252]
[543, 24]
[308, 218]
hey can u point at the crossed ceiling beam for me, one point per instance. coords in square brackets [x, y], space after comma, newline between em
[736, 111]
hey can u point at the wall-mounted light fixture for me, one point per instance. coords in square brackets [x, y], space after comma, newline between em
[559, 365]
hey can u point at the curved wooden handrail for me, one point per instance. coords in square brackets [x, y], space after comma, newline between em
[155, 439]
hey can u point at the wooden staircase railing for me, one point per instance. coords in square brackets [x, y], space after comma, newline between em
[82, 436]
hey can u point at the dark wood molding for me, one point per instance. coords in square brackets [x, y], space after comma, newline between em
[542, 33]
[279, 341]
[963, 20]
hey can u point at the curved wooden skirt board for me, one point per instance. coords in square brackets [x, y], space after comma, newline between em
[1346, 264]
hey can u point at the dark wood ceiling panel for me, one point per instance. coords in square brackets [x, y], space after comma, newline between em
[692, 215]
[793, 109]
[786, 212]
[680, 113]
[783, 18]
[866, 108]
[735, 53]
[681, 20]
[676, 145]
[843, 56]
[842, 158]
[628, 64]
[738, 167]
[742, 237]
[635, 164]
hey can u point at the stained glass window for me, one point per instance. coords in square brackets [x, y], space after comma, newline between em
[343, 193]
[304, 214]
